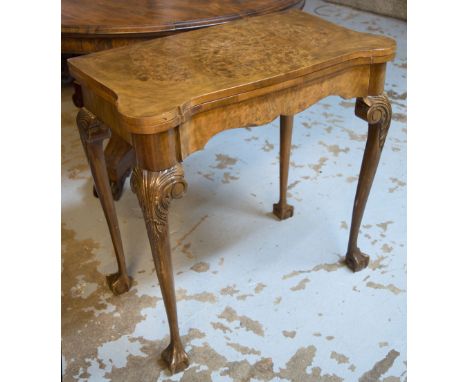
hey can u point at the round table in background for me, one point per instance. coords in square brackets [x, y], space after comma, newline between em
[94, 25]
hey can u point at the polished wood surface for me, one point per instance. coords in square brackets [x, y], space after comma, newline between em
[94, 25]
[186, 74]
[169, 96]
[124, 17]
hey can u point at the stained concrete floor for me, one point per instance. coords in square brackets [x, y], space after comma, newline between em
[258, 299]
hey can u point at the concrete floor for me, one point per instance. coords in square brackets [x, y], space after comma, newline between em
[258, 299]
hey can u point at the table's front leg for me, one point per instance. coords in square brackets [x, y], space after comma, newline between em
[377, 111]
[92, 134]
[155, 190]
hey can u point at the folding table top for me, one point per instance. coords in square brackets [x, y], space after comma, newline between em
[156, 84]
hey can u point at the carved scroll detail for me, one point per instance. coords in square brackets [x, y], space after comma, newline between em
[155, 190]
[376, 110]
[91, 128]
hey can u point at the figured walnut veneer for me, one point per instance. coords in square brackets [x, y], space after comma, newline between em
[246, 72]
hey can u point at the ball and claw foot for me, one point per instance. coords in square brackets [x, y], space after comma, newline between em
[119, 283]
[356, 260]
[283, 211]
[176, 358]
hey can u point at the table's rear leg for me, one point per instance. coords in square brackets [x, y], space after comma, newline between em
[376, 110]
[92, 133]
[155, 190]
[282, 209]
[120, 160]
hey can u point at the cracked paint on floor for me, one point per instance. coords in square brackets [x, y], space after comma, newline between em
[258, 299]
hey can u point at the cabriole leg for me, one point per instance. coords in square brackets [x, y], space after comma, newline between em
[282, 209]
[92, 133]
[376, 110]
[155, 190]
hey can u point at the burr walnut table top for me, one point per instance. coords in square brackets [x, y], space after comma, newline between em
[156, 85]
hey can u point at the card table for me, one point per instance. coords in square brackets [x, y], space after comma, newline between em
[167, 97]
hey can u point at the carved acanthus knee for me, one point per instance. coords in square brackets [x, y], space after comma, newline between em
[155, 190]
